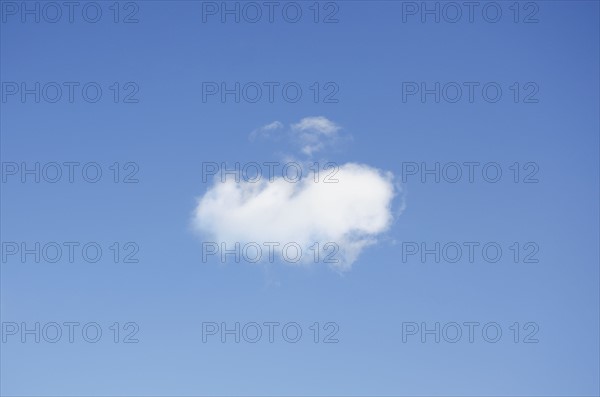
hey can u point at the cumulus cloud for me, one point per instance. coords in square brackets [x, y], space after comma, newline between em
[349, 211]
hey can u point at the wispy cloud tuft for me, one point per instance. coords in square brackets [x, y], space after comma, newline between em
[266, 130]
[316, 125]
[314, 133]
[310, 134]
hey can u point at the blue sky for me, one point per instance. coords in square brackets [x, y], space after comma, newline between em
[161, 129]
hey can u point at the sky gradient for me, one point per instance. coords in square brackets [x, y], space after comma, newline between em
[387, 75]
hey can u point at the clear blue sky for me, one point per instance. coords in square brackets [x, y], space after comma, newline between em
[372, 49]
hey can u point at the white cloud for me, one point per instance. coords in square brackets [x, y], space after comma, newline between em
[272, 126]
[316, 125]
[266, 130]
[314, 133]
[350, 213]
[311, 134]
